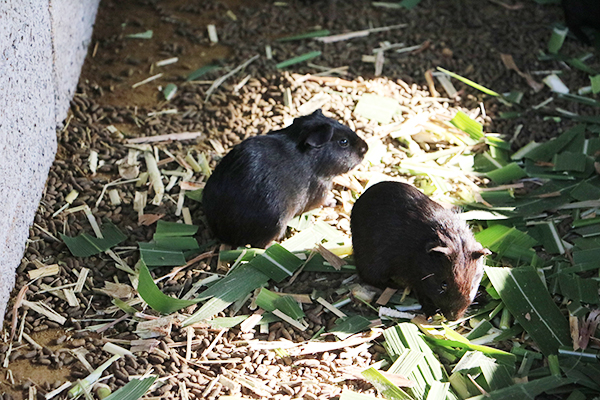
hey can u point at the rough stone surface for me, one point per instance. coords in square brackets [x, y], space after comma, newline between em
[42, 48]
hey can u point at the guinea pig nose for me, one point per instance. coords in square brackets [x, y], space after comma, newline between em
[363, 147]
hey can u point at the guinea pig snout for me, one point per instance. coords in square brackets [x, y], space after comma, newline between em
[362, 147]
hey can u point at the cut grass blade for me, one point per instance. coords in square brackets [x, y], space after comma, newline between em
[201, 71]
[557, 39]
[547, 150]
[387, 388]
[306, 35]
[469, 82]
[156, 256]
[528, 300]
[297, 60]
[177, 243]
[507, 242]
[350, 395]
[84, 245]
[169, 229]
[237, 285]
[508, 173]
[277, 263]
[227, 322]
[377, 108]
[133, 390]
[466, 124]
[349, 326]
[153, 296]
[527, 390]
[578, 289]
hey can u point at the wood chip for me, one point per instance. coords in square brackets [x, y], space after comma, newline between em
[48, 270]
[83, 274]
[335, 261]
[165, 137]
[386, 296]
[46, 311]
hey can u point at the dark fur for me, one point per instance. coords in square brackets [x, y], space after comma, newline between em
[403, 238]
[266, 180]
[580, 14]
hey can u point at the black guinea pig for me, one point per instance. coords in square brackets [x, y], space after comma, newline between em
[580, 14]
[266, 180]
[403, 238]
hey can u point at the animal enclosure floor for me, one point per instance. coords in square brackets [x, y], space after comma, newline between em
[467, 37]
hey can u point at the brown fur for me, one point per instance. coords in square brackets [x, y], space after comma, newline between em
[401, 237]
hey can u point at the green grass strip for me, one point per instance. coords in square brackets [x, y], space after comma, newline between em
[299, 59]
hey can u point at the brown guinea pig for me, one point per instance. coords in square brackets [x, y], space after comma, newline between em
[403, 238]
[266, 180]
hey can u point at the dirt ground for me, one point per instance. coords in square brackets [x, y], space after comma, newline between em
[463, 36]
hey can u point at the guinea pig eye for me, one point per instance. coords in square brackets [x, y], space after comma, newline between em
[443, 288]
[344, 142]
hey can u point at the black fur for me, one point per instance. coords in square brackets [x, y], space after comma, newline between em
[403, 238]
[266, 180]
[580, 14]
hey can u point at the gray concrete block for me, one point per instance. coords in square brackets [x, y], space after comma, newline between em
[72, 22]
[42, 48]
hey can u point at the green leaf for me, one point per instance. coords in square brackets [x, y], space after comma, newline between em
[156, 256]
[387, 388]
[545, 151]
[480, 329]
[502, 356]
[469, 82]
[84, 245]
[201, 71]
[277, 263]
[299, 59]
[595, 80]
[557, 39]
[164, 228]
[567, 161]
[154, 297]
[195, 195]
[232, 255]
[466, 124]
[579, 99]
[350, 395]
[497, 376]
[266, 299]
[508, 242]
[409, 4]
[142, 35]
[345, 327]
[577, 289]
[169, 91]
[306, 35]
[377, 108]
[238, 284]
[133, 390]
[508, 173]
[585, 191]
[524, 391]
[438, 390]
[528, 300]
[404, 337]
[289, 306]
[176, 243]
[227, 322]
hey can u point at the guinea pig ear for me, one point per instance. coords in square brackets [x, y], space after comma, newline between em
[317, 113]
[440, 249]
[319, 135]
[477, 254]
